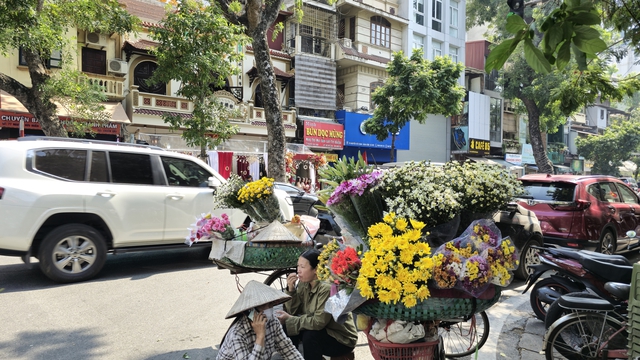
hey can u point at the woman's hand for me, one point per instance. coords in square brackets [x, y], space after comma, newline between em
[291, 282]
[282, 315]
[259, 325]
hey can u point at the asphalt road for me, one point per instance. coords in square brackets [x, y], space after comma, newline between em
[154, 305]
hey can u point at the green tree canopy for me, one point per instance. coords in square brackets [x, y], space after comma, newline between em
[609, 150]
[200, 49]
[39, 27]
[569, 29]
[415, 88]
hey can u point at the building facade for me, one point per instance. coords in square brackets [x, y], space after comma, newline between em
[437, 26]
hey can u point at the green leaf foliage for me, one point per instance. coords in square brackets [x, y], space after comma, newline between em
[535, 58]
[344, 169]
[199, 48]
[610, 149]
[42, 27]
[415, 88]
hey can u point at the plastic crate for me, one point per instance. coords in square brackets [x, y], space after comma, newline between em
[633, 323]
[423, 350]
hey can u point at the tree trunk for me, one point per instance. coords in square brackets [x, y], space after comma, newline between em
[33, 99]
[542, 161]
[260, 18]
[393, 146]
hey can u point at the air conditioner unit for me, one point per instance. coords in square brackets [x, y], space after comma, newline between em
[118, 66]
[346, 42]
[95, 39]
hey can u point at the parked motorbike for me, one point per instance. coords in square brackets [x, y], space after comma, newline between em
[556, 311]
[573, 271]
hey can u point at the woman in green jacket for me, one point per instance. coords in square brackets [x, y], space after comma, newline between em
[304, 318]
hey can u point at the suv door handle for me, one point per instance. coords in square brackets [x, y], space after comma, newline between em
[175, 196]
[611, 208]
[106, 194]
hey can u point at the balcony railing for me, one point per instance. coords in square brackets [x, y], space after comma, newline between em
[113, 87]
[257, 114]
[159, 102]
[247, 112]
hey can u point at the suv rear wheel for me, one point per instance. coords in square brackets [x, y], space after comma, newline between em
[607, 243]
[528, 256]
[72, 252]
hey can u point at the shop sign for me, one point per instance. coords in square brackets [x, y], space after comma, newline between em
[479, 147]
[330, 157]
[515, 159]
[318, 134]
[12, 120]
[356, 137]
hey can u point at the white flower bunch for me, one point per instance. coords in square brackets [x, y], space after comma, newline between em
[420, 191]
[485, 188]
[436, 194]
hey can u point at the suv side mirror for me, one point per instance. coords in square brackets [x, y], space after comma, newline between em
[213, 182]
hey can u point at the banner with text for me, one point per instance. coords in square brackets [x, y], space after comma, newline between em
[12, 120]
[318, 134]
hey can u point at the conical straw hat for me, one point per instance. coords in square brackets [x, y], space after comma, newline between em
[255, 294]
[275, 232]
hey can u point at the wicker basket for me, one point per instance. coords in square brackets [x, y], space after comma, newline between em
[440, 306]
[422, 350]
[271, 256]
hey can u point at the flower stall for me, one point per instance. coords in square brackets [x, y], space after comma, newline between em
[427, 252]
[265, 243]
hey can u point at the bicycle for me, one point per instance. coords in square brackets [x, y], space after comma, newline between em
[591, 330]
[462, 337]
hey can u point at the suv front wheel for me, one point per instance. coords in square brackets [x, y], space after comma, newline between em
[607, 243]
[72, 252]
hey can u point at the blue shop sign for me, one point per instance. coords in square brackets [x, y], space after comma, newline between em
[354, 134]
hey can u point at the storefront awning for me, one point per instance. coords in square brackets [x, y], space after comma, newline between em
[9, 103]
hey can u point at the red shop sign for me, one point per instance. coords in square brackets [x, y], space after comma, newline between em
[12, 120]
[318, 134]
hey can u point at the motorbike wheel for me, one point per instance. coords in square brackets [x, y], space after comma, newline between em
[539, 306]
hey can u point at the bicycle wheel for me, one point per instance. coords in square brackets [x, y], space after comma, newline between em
[579, 338]
[278, 278]
[464, 337]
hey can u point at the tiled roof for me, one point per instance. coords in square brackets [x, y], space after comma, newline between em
[277, 53]
[147, 10]
[143, 44]
[277, 71]
[353, 52]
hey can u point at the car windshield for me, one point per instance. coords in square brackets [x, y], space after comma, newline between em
[548, 191]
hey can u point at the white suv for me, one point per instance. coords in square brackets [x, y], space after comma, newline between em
[69, 202]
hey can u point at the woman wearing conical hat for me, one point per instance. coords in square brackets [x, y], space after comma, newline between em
[255, 334]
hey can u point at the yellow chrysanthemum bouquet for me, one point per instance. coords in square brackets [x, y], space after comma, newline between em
[259, 201]
[397, 265]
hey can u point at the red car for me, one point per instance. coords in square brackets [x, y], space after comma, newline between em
[592, 212]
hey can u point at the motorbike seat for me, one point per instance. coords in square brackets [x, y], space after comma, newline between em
[581, 254]
[613, 259]
[606, 270]
[581, 303]
[618, 290]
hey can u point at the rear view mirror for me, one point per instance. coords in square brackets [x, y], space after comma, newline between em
[213, 182]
